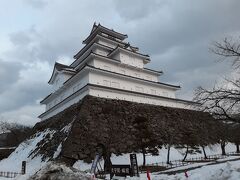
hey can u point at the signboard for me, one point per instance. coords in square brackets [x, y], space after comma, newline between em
[94, 164]
[120, 170]
[23, 167]
[134, 165]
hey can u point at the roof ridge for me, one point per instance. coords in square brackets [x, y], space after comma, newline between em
[119, 35]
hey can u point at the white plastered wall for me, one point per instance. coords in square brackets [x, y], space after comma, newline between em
[69, 90]
[129, 84]
[128, 58]
[114, 67]
[65, 105]
[108, 43]
[59, 79]
[111, 94]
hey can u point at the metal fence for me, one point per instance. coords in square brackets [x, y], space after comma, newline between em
[172, 164]
[179, 163]
[9, 174]
[233, 154]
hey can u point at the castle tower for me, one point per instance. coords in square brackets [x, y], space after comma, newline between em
[108, 67]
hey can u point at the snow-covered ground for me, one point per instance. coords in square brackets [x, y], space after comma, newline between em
[58, 171]
[224, 171]
[14, 162]
[35, 163]
[201, 164]
[175, 154]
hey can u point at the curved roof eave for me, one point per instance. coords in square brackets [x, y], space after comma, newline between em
[57, 68]
[100, 28]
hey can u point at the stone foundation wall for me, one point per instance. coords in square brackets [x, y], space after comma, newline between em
[119, 126]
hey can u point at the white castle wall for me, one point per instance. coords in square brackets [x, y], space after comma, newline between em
[59, 80]
[65, 105]
[124, 69]
[114, 94]
[127, 58]
[65, 92]
[107, 42]
[126, 83]
[104, 93]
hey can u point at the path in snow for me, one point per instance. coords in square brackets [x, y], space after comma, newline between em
[196, 166]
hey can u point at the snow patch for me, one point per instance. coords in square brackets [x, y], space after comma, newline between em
[67, 128]
[24, 153]
[175, 154]
[82, 166]
[58, 151]
[59, 171]
[228, 170]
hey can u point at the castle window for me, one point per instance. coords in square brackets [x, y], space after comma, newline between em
[50, 105]
[149, 78]
[74, 89]
[122, 71]
[57, 81]
[137, 75]
[115, 84]
[139, 89]
[55, 102]
[165, 94]
[62, 97]
[79, 85]
[106, 83]
[153, 91]
[107, 68]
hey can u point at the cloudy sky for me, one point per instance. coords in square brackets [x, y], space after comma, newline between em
[177, 34]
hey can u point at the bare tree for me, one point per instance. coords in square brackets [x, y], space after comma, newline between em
[171, 140]
[235, 136]
[228, 48]
[223, 101]
[16, 132]
[145, 137]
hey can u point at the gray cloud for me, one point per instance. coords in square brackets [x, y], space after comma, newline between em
[20, 38]
[27, 89]
[177, 24]
[38, 4]
[134, 10]
[9, 73]
[178, 35]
